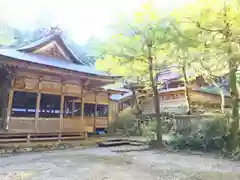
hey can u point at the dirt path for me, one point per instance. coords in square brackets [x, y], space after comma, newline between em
[104, 164]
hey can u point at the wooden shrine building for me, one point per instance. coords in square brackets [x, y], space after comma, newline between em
[46, 88]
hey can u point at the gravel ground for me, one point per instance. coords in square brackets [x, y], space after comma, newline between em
[106, 164]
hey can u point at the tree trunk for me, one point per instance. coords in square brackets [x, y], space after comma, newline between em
[133, 98]
[6, 80]
[159, 143]
[234, 125]
[222, 96]
[139, 111]
[187, 91]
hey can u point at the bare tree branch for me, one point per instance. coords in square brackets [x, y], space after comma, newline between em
[205, 29]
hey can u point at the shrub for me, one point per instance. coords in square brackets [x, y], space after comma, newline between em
[149, 130]
[125, 122]
[167, 126]
[208, 136]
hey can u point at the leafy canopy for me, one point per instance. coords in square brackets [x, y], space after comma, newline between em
[126, 51]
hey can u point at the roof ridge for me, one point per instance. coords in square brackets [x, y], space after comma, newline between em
[39, 41]
[69, 49]
[46, 40]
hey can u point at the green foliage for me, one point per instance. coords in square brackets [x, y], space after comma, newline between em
[137, 43]
[149, 126]
[125, 119]
[125, 123]
[126, 51]
[210, 135]
[203, 37]
[217, 23]
[149, 130]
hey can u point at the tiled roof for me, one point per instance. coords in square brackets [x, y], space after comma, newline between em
[52, 62]
[171, 73]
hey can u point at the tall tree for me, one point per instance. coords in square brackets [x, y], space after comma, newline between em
[140, 39]
[180, 52]
[218, 21]
[134, 77]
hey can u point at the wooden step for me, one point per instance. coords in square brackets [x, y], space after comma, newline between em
[13, 140]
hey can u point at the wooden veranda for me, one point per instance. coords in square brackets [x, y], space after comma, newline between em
[45, 88]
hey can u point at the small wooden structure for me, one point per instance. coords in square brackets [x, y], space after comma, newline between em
[172, 96]
[174, 100]
[45, 88]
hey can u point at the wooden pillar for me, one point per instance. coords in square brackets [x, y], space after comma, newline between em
[61, 113]
[82, 107]
[37, 106]
[109, 114]
[10, 101]
[110, 110]
[9, 108]
[37, 111]
[95, 113]
[61, 108]
[73, 107]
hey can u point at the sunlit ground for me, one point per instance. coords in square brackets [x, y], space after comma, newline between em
[105, 164]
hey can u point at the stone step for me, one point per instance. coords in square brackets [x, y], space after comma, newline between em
[120, 142]
[113, 143]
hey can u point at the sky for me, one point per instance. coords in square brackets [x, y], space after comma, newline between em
[81, 18]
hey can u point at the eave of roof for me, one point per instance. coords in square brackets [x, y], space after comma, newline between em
[212, 90]
[118, 97]
[116, 90]
[125, 94]
[52, 62]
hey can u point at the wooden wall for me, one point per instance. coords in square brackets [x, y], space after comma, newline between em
[113, 110]
[171, 105]
[41, 83]
[206, 98]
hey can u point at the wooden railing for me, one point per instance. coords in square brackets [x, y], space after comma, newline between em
[184, 121]
[101, 122]
[53, 125]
